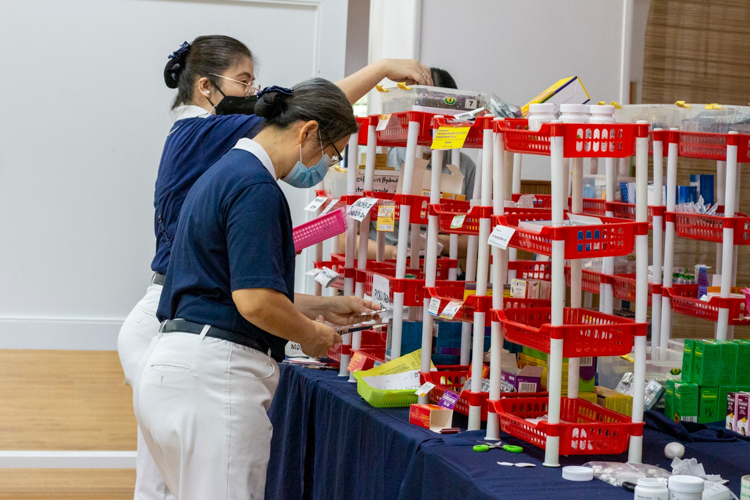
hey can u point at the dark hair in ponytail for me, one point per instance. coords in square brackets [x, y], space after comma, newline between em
[206, 55]
[314, 99]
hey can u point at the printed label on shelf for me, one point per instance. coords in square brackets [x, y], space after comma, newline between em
[381, 290]
[451, 309]
[357, 363]
[386, 216]
[434, 306]
[450, 137]
[361, 208]
[383, 122]
[500, 237]
[471, 103]
[316, 203]
[326, 276]
[329, 207]
[448, 400]
[313, 272]
[425, 389]
[458, 221]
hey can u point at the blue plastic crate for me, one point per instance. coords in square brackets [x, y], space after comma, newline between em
[444, 359]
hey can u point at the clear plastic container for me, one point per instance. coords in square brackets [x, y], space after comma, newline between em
[429, 99]
[685, 488]
[662, 116]
[574, 113]
[651, 488]
[539, 114]
[715, 119]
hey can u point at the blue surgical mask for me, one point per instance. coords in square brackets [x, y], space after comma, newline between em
[303, 177]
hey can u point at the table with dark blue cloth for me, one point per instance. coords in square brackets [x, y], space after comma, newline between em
[328, 443]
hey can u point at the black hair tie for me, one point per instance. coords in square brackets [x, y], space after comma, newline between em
[176, 65]
[275, 88]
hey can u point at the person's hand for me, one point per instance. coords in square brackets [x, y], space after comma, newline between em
[408, 71]
[345, 311]
[323, 338]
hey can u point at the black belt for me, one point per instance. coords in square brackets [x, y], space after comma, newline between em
[181, 325]
[158, 279]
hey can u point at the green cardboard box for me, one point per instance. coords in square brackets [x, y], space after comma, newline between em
[742, 373]
[687, 361]
[706, 363]
[686, 402]
[669, 399]
[708, 406]
[728, 362]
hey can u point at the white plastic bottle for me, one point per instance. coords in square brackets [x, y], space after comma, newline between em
[651, 488]
[540, 113]
[574, 113]
[685, 488]
[601, 113]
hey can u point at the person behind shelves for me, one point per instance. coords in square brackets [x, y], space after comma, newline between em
[228, 305]
[213, 108]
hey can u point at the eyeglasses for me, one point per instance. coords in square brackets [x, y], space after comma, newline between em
[250, 88]
[336, 159]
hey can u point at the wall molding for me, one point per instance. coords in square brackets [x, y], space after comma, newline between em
[67, 460]
[60, 333]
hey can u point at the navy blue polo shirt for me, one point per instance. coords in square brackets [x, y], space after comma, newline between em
[234, 232]
[193, 145]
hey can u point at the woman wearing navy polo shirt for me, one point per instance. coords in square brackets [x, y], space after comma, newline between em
[229, 305]
[215, 81]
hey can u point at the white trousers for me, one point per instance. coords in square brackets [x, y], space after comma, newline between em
[202, 406]
[136, 334]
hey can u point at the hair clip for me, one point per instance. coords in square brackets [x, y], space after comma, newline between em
[181, 52]
[274, 88]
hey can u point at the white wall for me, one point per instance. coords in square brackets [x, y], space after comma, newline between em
[81, 133]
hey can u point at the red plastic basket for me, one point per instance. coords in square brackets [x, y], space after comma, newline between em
[444, 265]
[612, 238]
[475, 137]
[371, 340]
[418, 204]
[591, 206]
[319, 229]
[590, 280]
[413, 289]
[372, 356]
[624, 287]
[364, 123]
[584, 140]
[472, 304]
[531, 269]
[449, 209]
[585, 428]
[397, 130]
[540, 201]
[584, 332]
[710, 146]
[685, 301]
[710, 227]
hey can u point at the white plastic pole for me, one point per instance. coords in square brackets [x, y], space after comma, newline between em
[364, 226]
[658, 236]
[403, 235]
[517, 173]
[554, 385]
[380, 248]
[453, 254]
[471, 262]
[351, 240]
[641, 291]
[576, 272]
[606, 291]
[669, 236]
[721, 177]
[499, 276]
[727, 262]
[483, 265]
[430, 260]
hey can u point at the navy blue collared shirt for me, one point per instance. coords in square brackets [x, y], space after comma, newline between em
[234, 233]
[196, 141]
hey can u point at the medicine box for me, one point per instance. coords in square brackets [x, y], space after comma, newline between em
[430, 416]
[526, 379]
[565, 91]
[591, 397]
[586, 374]
[545, 290]
[706, 361]
[708, 406]
[518, 288]
[613, 400]
[731, 406]
[742, 372]
[728, 362]
[743, 413]
[687, 361]
[686, 402]
[669, 399]
[381, 161]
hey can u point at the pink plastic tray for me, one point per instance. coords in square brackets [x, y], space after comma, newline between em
[320, 229]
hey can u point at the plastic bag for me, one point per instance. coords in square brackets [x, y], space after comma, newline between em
[616, 473]
[653, 390]
[500, 108]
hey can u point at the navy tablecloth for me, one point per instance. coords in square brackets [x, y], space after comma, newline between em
[330, 444]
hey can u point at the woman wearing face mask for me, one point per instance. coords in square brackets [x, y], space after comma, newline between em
[229, 306]
[215, 81]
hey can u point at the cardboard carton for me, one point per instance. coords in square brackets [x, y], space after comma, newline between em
[708, 407]
[526, 379]
[706, 362]
[687, 361]
[686, 402]
[613, 400]
[433, 417]
[421, 179]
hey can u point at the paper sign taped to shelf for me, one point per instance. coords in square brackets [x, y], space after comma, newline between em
[316, 203]
[330, 207]
[361, 208]
[450, 137]
[425, 389]
[458, 222]
[381, 290]
[383, 122]
[313, 272]
[451, 309]
[434, 307]
[386, 216]
[326, 276]
[357, 363]
[500, 237]
[448, 400]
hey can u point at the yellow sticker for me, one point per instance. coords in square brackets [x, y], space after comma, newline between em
[450, 137]
[386, 216]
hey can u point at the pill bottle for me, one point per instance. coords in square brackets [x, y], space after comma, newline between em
[685, 488]
[601, 113]
[540, 113]
[574, 113]
[651, 488]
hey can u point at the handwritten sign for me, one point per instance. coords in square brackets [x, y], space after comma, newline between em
[361, 208]
[500, 237]
[434, 307]
[316, 204]
[326, 276]
[330, 206]
[381, 290]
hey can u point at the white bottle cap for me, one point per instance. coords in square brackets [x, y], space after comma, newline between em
[574, 108]
[602, 109]
[542, 108]
[576, 473]
[685, 484]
